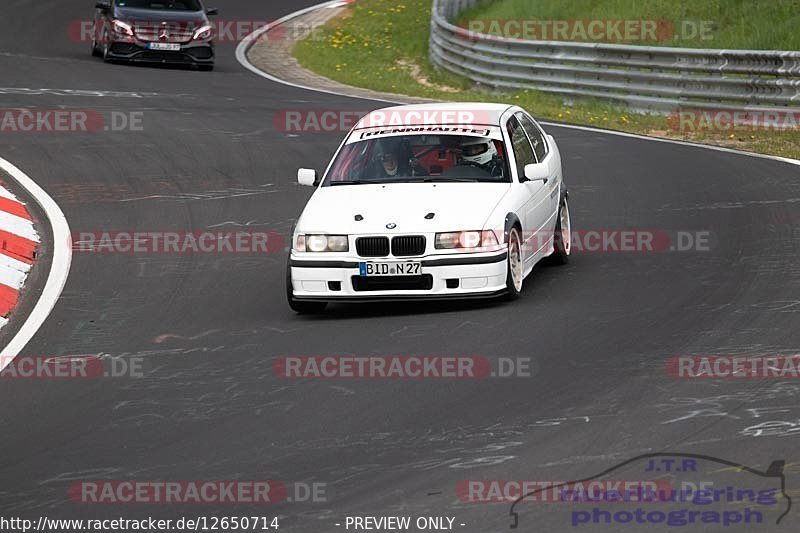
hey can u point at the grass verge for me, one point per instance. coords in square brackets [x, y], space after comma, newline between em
[738, 24]
[383, 45]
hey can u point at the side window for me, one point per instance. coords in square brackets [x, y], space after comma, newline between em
[535, 135]
[522, 148]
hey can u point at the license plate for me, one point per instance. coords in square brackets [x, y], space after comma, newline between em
[170, 47]
[406, 268]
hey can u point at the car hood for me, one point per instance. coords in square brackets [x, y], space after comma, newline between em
[159, 15]
[456, 206]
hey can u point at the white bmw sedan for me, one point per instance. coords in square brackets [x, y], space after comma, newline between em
[430, 201]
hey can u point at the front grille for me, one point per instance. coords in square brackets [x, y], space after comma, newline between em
[406, 246]
[171, 33]
[200, 52]
[124, 49]
[392, 283]
[372, 246]
[163, 57]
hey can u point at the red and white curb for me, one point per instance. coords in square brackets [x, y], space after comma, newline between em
[18, 243]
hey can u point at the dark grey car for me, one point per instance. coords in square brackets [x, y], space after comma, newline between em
[154, 31]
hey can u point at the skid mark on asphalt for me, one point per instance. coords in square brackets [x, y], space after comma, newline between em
[149, 185]
[166, 336]
[26, 91]
[223, 194]
[730, 205]
[163, 267]
[742, 408]
[773, 428]
[253, 223]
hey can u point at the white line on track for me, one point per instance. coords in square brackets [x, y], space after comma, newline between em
[27, 91]
[59, 268]
[247, 42]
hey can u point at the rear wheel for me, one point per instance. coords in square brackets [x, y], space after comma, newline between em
[562, 240]
[514, 267]
[299, 306]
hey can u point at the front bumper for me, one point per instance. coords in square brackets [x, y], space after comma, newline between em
[453, 276]
[136, 51]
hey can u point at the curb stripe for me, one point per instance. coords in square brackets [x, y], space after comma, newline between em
[17, 247]
[17, 250]
[18, 226]
[8, 300]
[14, 207]
[59, 268]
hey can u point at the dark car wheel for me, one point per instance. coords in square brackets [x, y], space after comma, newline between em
[562, 240]
[514, 266]
[299, 306]
[93, 46]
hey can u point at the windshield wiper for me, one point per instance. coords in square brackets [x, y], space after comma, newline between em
[445, 179]
[351, 182]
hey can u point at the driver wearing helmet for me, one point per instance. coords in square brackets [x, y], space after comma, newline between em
[483, 153]
[391, 162]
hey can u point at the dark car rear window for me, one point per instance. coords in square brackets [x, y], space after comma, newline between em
[167, 5]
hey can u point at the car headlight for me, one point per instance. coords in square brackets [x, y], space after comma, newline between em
[465, 239]
[122, 28]
[203, 32]
[321, 243]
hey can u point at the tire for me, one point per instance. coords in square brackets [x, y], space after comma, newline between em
[562, 243]
[299, 306]
[514, 266]
[93, 45]
[104, 52]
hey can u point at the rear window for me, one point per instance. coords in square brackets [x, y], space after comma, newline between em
[163, 5]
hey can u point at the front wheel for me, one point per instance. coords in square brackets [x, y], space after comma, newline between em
[562, 240]
[514, 268]
[106, 49]
[93, 44]
[299, 306]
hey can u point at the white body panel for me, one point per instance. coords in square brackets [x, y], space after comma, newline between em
[400, 209]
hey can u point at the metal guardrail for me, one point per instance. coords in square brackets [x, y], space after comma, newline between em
[644, 77]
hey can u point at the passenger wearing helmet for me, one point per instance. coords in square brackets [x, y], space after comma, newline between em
[482, 152]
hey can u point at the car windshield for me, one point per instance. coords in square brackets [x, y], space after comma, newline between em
[165, 5]
[420, 158]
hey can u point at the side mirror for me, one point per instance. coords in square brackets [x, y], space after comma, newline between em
[103, 6]
[307, 177]
[537, 172]
[211, 11]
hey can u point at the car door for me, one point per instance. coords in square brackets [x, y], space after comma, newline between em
[535, 203]
[547, 155]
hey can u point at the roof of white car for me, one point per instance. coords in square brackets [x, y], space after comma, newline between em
[435, 114]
